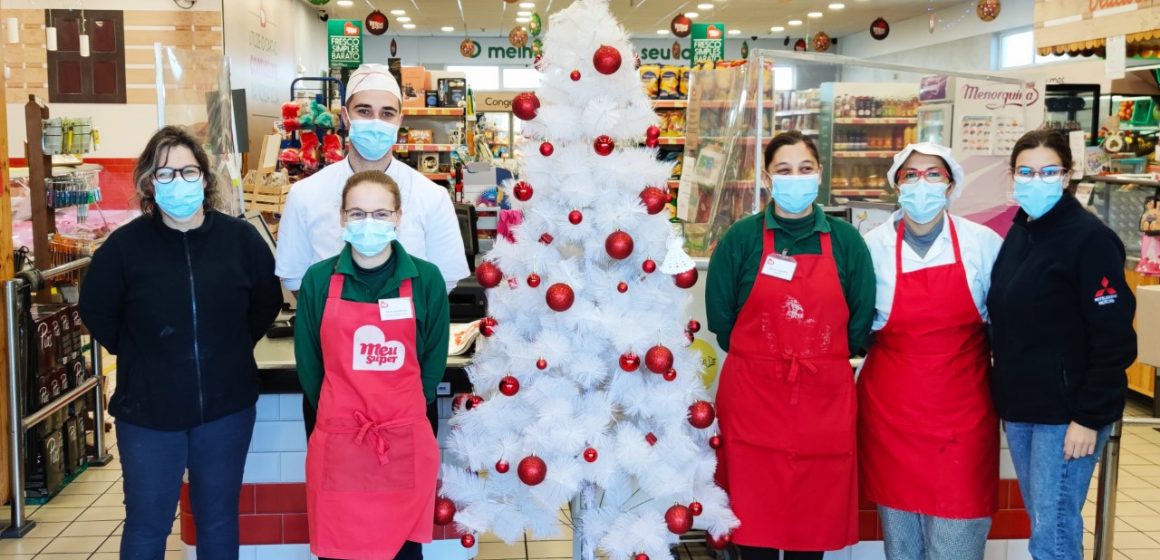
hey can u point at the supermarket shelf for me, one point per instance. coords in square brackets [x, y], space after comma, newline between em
[866, 154]
[672, 140]
[796, 112]
[438, 176]
[433, 111]
[1139, 127]
[902, 120]
[729, 104]
[670, 103]
[425, 147]
[856, 192]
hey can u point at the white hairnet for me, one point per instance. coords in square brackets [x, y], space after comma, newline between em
[930, 149]
[371, 77]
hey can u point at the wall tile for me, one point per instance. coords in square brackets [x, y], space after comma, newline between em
[996, 550]
[1017, 550]
[293, 467]
[263, 467]
[260, 529]
[290, 407]
[279, 436]
[268, 406]
[281, 498]
[283, 552]
[867, 551]
[295, 529]
[449, 550]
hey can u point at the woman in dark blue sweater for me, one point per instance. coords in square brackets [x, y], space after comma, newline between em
[181, 295]
[1061, 314]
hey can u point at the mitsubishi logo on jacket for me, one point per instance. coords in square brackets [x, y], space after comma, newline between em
[1106, 295]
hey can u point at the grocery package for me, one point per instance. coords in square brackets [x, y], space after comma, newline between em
[650, 78]
[670, 82]
[686, 74]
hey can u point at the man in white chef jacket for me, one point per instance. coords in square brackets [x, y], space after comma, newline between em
[309, 230]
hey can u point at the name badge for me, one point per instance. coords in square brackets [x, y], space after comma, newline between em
[394, 309]
[779, 266]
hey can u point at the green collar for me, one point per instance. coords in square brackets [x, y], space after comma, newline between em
[404, 265]
[821, 224]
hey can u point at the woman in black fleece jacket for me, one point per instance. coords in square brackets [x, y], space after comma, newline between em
[181, 295]
[1061, 315]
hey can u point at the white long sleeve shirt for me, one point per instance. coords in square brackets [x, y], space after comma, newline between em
[310, 229]
[979, 245]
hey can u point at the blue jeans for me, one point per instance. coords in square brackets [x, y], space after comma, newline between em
[914, 536]
[1053, 489]
[153, 463]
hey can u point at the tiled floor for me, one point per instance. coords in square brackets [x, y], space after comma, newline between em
[85, 521]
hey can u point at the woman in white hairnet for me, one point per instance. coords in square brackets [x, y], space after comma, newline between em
[928, 433]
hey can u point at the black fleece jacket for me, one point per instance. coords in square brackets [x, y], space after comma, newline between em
[1061, 319]
[182, 312]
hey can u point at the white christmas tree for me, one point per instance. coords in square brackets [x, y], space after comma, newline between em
[586, 390]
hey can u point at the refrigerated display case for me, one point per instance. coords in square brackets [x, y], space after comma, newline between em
[863, 126]
[934, 123]
[1074, 107]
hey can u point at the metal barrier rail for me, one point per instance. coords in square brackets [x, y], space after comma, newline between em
[1109, 479]
[18, 423]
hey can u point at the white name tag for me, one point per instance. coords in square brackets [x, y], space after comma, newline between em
[779, 266]
[395, 308]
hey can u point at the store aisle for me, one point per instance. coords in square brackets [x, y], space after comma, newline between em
[85, 521]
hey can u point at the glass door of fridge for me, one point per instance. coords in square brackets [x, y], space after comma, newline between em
[934, 123]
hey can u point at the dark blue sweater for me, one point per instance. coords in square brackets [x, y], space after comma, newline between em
[182, 312]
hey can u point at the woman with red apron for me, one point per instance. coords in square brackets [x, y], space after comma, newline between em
[790, 293]
[371, 343]
[928, 433]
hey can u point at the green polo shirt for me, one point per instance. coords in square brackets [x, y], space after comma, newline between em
[428, 291]
[737, 260]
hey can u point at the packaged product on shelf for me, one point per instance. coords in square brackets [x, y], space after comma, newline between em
[45, 458]
[414, 86]
[670, 83]
[685, 76]
[452, 91]
[421, 136]
[650, 75]
[672, 123]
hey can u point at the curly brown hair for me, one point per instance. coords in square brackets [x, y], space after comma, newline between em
[156, 154]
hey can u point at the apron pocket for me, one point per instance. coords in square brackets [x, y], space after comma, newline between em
[355, 467]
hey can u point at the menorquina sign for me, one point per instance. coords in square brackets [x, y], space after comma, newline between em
[1004, 96]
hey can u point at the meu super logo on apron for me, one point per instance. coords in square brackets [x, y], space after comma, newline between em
[372, 350]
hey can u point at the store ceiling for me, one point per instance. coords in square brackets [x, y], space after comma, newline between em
[644, 17]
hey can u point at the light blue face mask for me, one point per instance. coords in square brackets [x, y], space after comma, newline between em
[1037, 197]
[795, 193]
[179, 198]
[373, 138]
[369, 237]
[923, 201]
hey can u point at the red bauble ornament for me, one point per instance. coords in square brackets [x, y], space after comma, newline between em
[541, 364]
[560, 297]
[694, 325]
[651, 438]
[658, 359]
[502, 467]
[488, 274]
[654, 199]
[629, 361]
[603, 144]
[547, 149]
[575, 76]
[606, 59]
[653, 132]
[717, 543]
[701, 414]
[509, 386]
[622, 287]
[534, 280]
[619, 245]
[670, 375]
[532, 470]
[652, 142]
[641, 556]
[459, 401]
[444, 511]
[696, 508]
[715, 442]
[487, 326]
[649, 266]
[467, 541]
[590, 455]
[685, 279]
[575, 217]
[522, 191]
[474, 401]
[525, 106]
[679, 519]
[546, 239]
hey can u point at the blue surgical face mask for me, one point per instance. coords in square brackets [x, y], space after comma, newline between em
[373, 138]
[369, 236]
[179, 198]
[1037, 197]
[795, 193]
[923, 201]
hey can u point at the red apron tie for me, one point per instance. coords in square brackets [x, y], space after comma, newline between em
[796, 363]
[367, 426]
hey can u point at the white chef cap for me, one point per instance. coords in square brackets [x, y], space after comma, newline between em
[930, 149]
[373, 77]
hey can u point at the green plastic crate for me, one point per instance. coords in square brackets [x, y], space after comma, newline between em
[1142, 113]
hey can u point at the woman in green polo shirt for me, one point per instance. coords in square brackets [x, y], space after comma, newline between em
[790, 297]
[371, 346]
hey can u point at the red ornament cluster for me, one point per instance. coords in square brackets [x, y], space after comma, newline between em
[694, 326]
[619, 245]
[717, 543]
[652, 137]
[532, 470]
[658, 359]
[560, 297]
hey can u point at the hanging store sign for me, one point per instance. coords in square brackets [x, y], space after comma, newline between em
[1066, 26]
[344, 43]
[494, 101]
[708, 42]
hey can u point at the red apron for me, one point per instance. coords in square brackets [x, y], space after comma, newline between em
[787, 411]
[372, 461]
[928, 432]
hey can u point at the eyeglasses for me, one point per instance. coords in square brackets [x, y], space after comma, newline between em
[910, 175]
[1049, 174]
[358, 214]
[166, 175]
